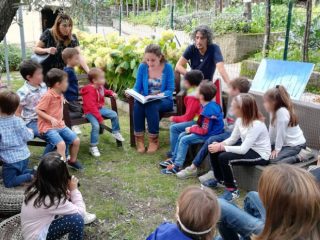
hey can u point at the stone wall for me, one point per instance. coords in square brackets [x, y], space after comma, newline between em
[249, 68]
[236, 47]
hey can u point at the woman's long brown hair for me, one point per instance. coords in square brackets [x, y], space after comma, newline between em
[57, 35]
[291, 198]
[279, 97]
[247, 103]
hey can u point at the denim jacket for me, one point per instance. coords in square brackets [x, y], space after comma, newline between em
[167, 87]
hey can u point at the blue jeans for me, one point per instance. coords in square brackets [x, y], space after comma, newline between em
[288, 154]
[14, 174]
[183, 143]
[34, 126]
[203, 152]
[95, 127]
[175, 130]
[316, 174]
[150, 111]
[235, 221]
[69, 224]
[54, 136]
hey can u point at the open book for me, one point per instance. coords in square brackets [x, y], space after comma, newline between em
[142, 98]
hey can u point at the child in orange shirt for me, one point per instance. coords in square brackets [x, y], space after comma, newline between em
[50, 118]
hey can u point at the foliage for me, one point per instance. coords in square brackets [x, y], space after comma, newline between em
[14, 57]
[231, 20]
[152, 19]
[120, 57]
[295, 44]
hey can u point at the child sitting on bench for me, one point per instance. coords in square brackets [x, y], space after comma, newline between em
[30, 94]
[197, 214]
[50, 118]
[236, 86]
[287, 139]
[14, 136]
[255, 147]
[191, 82]
[210, 122]
[94, 108]
[71, 58]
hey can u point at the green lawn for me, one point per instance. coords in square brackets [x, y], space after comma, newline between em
[125, 189]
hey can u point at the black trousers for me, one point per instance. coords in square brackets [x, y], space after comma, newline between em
[221, 163]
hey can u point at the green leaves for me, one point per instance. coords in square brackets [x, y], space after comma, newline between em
[120, 57]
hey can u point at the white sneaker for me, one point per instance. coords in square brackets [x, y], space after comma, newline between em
[118, 136]
[207, 176]
[89, 218]
[94, 151]
[188, 172]
[76, 129]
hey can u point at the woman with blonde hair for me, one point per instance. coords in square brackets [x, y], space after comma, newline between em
[197, 215]
[287, 207]
[53, 41]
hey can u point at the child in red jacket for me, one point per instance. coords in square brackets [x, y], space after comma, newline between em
[192, 104]
[93, 106]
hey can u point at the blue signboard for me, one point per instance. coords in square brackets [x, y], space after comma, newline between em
[294, 76]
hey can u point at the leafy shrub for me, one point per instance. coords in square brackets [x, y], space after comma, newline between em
[120, 57]
[231, 20]
[296, 43]
[14, 57]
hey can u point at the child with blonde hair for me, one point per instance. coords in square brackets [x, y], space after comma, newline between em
[94, 108]
[197, 214]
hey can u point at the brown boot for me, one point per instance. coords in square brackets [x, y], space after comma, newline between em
[140, 143]
[153, 143]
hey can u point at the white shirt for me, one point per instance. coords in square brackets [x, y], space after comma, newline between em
[281, 134]
[255, 137]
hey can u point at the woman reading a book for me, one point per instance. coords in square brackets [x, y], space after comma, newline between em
[155, 77]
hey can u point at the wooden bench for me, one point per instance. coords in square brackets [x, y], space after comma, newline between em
[74, 119]
[309, 121]
[178, 109]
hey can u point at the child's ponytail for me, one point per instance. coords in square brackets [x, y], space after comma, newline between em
[281, 98]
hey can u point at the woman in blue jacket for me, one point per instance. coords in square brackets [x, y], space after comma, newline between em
[155, 77]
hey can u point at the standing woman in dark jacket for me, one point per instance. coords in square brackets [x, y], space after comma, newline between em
[53, 41]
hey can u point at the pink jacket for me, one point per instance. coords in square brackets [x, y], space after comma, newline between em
[36, 220]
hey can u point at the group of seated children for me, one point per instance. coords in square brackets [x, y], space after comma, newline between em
[243, 140]
[36, 111]
[286, 206]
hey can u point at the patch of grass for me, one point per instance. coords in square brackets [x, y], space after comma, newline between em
[125, 189]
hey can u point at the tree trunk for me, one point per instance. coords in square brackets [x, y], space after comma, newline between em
[127, 8]
[149, 5]
[305, 55]
[144, 5]
[8, 9]
[133, 7]
[138, 6]
[157, 3]
[247, 11]
[266, 43]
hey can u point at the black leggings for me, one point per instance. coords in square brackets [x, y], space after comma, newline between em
[221, 163]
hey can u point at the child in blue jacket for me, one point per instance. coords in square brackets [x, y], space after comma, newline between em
[197, 214]
[210, 122]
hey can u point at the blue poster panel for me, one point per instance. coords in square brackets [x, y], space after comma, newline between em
[294, 76]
